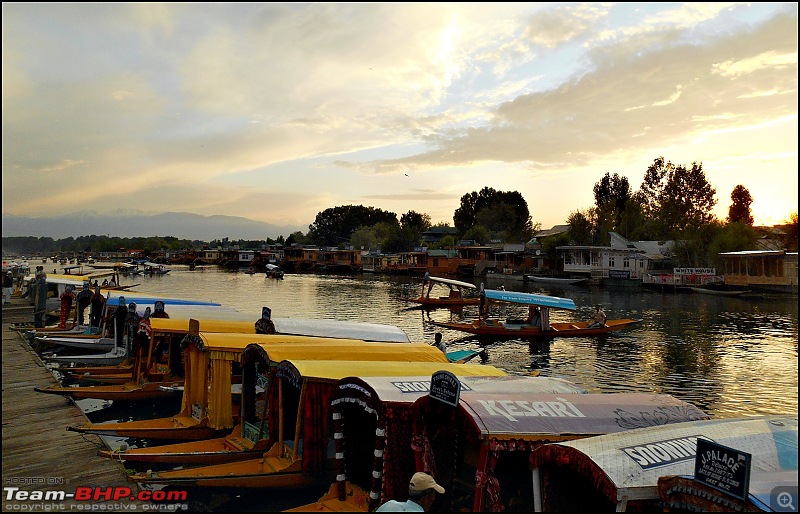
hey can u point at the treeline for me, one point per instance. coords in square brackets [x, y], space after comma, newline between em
[673, 202]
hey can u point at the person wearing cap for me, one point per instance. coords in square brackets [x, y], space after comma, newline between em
[599, 317]
[422, 491]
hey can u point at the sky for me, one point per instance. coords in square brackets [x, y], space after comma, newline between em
[279, 111]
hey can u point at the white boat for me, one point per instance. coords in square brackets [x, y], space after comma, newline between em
[718, 292]
[273, 271]
[623, 471]
[562, 281]
[100, 344]
[114, 356]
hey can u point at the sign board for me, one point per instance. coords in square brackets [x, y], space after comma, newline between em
[617, 273]
[445, 387]
[725, 469]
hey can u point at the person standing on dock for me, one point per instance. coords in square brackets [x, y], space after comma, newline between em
[120, 319]
[83, 300]
[8, 283]
[67, 300]
[97, 307]
[40, 297]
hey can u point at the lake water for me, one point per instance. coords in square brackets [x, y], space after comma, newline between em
[730, 356]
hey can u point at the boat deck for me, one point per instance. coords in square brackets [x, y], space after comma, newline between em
[38, 453]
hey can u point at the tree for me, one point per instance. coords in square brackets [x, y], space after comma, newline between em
[740, 206]
[790, 237]
[675, 199]
[580, 229]
[611, 197]
[334, 225]
[478, 233]
[519, 228]
[415, 223]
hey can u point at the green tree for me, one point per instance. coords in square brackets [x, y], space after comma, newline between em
[611, 197]
[580, 229]
[740, 206]
[416, 224]
[517, 228]
[789, 238]
[364, 238]
[296, 237]
[675, 199]
[479, 234]
[336, 224]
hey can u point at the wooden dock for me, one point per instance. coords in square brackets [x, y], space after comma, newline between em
[40, 457]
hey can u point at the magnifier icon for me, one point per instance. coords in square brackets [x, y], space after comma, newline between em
[785, 501]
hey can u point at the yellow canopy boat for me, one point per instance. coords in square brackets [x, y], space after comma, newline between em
[212, 360]
[296, 421]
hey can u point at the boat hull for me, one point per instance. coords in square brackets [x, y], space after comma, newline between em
[499, 330]
[129, 392]
[111, 358]
[432, 303]
[219, 450]
[100, 344]
[557, 281]
[179, 428]
[269, 471]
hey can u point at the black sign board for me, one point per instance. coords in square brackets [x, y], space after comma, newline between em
[725, 469]
[445, 387]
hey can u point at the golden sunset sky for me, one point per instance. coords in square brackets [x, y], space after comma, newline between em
[278, 111]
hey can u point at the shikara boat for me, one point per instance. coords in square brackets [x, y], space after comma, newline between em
[92, 343]
[297, 425]
[115, 355]
[455, 297]
[522, 329]
[374, 413]
[557, 281]
[256, 360]
[648, 469]
[158, 361]
[211, 361]
[473, 438]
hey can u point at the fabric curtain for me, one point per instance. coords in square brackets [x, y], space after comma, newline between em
[399, 430]
[196, 379]
[220, 403]
[315, 426]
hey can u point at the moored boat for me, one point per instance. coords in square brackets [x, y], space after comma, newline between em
[211, 367]
[528, 329]
[298, 425]
[472, 435]
[635, 470]
[455, 297]
[559, 281]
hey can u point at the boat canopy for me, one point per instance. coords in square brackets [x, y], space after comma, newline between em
[336, 370]
[345, 349]
[530, 299]
[340, 329]
[527, 415]
[139, 297]
[451, 282]
[385, 402]
[626, 466]
[181, 325]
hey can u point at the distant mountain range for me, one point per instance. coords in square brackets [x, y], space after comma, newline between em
[182, 225]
